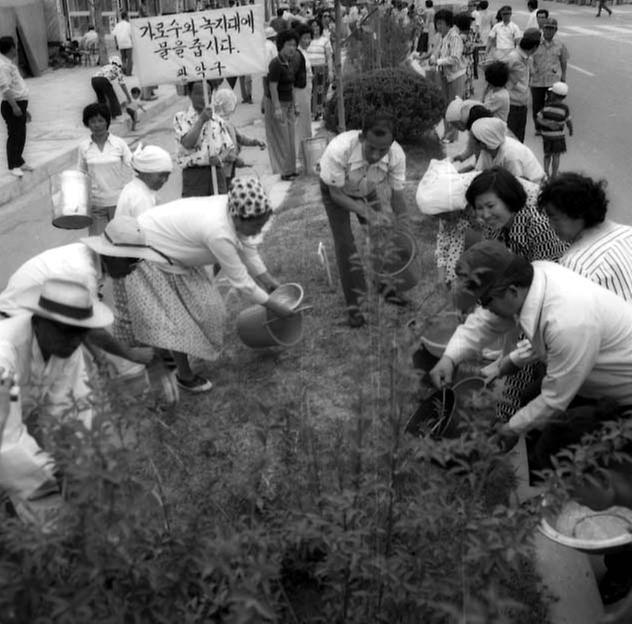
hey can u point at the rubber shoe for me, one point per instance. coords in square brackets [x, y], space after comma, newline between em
[196, 385]
[356, 320]
[17, 172]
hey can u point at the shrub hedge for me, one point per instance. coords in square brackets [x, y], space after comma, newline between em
[416, 103]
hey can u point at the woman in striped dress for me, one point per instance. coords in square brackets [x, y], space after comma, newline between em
[320, 56]
[600, 249]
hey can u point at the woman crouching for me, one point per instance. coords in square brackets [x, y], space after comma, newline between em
[177, 306]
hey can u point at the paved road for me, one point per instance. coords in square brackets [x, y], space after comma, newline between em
[600, 83]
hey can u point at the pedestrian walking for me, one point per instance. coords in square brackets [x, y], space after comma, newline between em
[122, 33]
[518, 84]
[548, 65]
[14, 106]
[602, 5]
[451, 64]
[103, 88]
[106, 159]
[552, 120]
[303, 88]
[503, 36]
[280, 110]
[202, 146]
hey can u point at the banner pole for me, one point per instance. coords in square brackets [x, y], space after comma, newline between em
[207, 103]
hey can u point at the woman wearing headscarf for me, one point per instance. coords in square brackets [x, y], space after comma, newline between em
[102, 85]
[497, 149]
[153, 166]
[600, 249]
[177, 307]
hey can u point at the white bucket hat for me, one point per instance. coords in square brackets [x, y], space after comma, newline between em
[67, 302]
[123, 238]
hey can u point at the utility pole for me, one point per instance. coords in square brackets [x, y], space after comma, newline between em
[338, 68]
[96, 18]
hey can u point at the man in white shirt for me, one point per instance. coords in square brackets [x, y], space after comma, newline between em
[503, 37]
[122, 33]
[42, 351]
[359, 170]
[14, 106]
[581, 331]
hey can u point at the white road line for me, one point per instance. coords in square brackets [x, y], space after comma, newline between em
[616, 29]
[580, 30]
[580, 70]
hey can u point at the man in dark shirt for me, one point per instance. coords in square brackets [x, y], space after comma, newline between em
[280, 111]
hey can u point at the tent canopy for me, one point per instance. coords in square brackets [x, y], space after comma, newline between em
[24, 19]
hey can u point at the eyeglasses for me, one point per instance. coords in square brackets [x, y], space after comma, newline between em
[165, 256]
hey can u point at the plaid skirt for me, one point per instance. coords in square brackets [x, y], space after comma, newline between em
[182, 313]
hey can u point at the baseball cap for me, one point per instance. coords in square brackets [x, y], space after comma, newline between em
[559, 88]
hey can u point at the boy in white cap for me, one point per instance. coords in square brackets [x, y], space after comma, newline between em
[153, 166]
[551, 122]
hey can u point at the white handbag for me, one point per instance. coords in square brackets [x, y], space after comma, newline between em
[442, 188]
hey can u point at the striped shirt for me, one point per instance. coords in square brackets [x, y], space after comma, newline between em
[552, 118]
[603, 254]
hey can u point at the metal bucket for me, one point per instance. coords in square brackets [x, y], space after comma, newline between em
[313, 149]
[395, 260]
[259, 330]
[70, 194]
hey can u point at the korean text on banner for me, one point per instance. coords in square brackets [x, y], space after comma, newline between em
[186, 46]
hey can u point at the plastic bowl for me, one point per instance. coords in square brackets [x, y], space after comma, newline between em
[591, 547]
[289, 294]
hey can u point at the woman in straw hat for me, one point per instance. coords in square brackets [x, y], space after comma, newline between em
[178, 307]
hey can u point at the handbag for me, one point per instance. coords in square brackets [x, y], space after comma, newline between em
[442, 188]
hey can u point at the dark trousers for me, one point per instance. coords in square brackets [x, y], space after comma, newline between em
[16, 132]
[349, 265]
[126, 59]
[198, 182]
[538, 97]
[106, 95]
[517, 121]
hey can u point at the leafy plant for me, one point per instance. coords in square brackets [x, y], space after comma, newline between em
[416, 103]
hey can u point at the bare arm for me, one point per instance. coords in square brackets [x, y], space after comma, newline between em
[191, 137]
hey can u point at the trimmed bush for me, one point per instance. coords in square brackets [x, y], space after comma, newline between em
[416, 103]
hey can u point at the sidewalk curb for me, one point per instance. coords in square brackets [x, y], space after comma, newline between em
[21, 187]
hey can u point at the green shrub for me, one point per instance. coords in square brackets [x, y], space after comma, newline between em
[417, 104]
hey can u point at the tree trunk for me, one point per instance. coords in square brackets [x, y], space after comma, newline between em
[96, 7]
[338, 68]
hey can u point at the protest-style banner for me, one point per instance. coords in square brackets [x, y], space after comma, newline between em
[187, 46]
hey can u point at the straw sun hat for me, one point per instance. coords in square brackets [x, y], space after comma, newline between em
[69, 303]
[123, 238]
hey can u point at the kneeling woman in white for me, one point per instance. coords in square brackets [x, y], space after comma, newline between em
[177, 306]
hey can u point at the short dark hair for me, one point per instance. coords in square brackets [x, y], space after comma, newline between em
[212, 84]
[134, 90]
[303, 29]
[318, 23]
[532, 4]
[463, 21]
[528, 43]
[429, 4]
[478, 111]
[123, 14]
[284, 36]
[280, 12]
[483, 4]
[577, 196]
[96, 110]
[501, 182]
[544, 12]
[444, 15]
[6, 44]
[378, 124]
[497, 73]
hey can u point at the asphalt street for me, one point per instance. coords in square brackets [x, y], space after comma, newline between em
[600, 90]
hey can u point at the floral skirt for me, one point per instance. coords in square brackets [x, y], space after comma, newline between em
[182, 313]
[320, 84]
